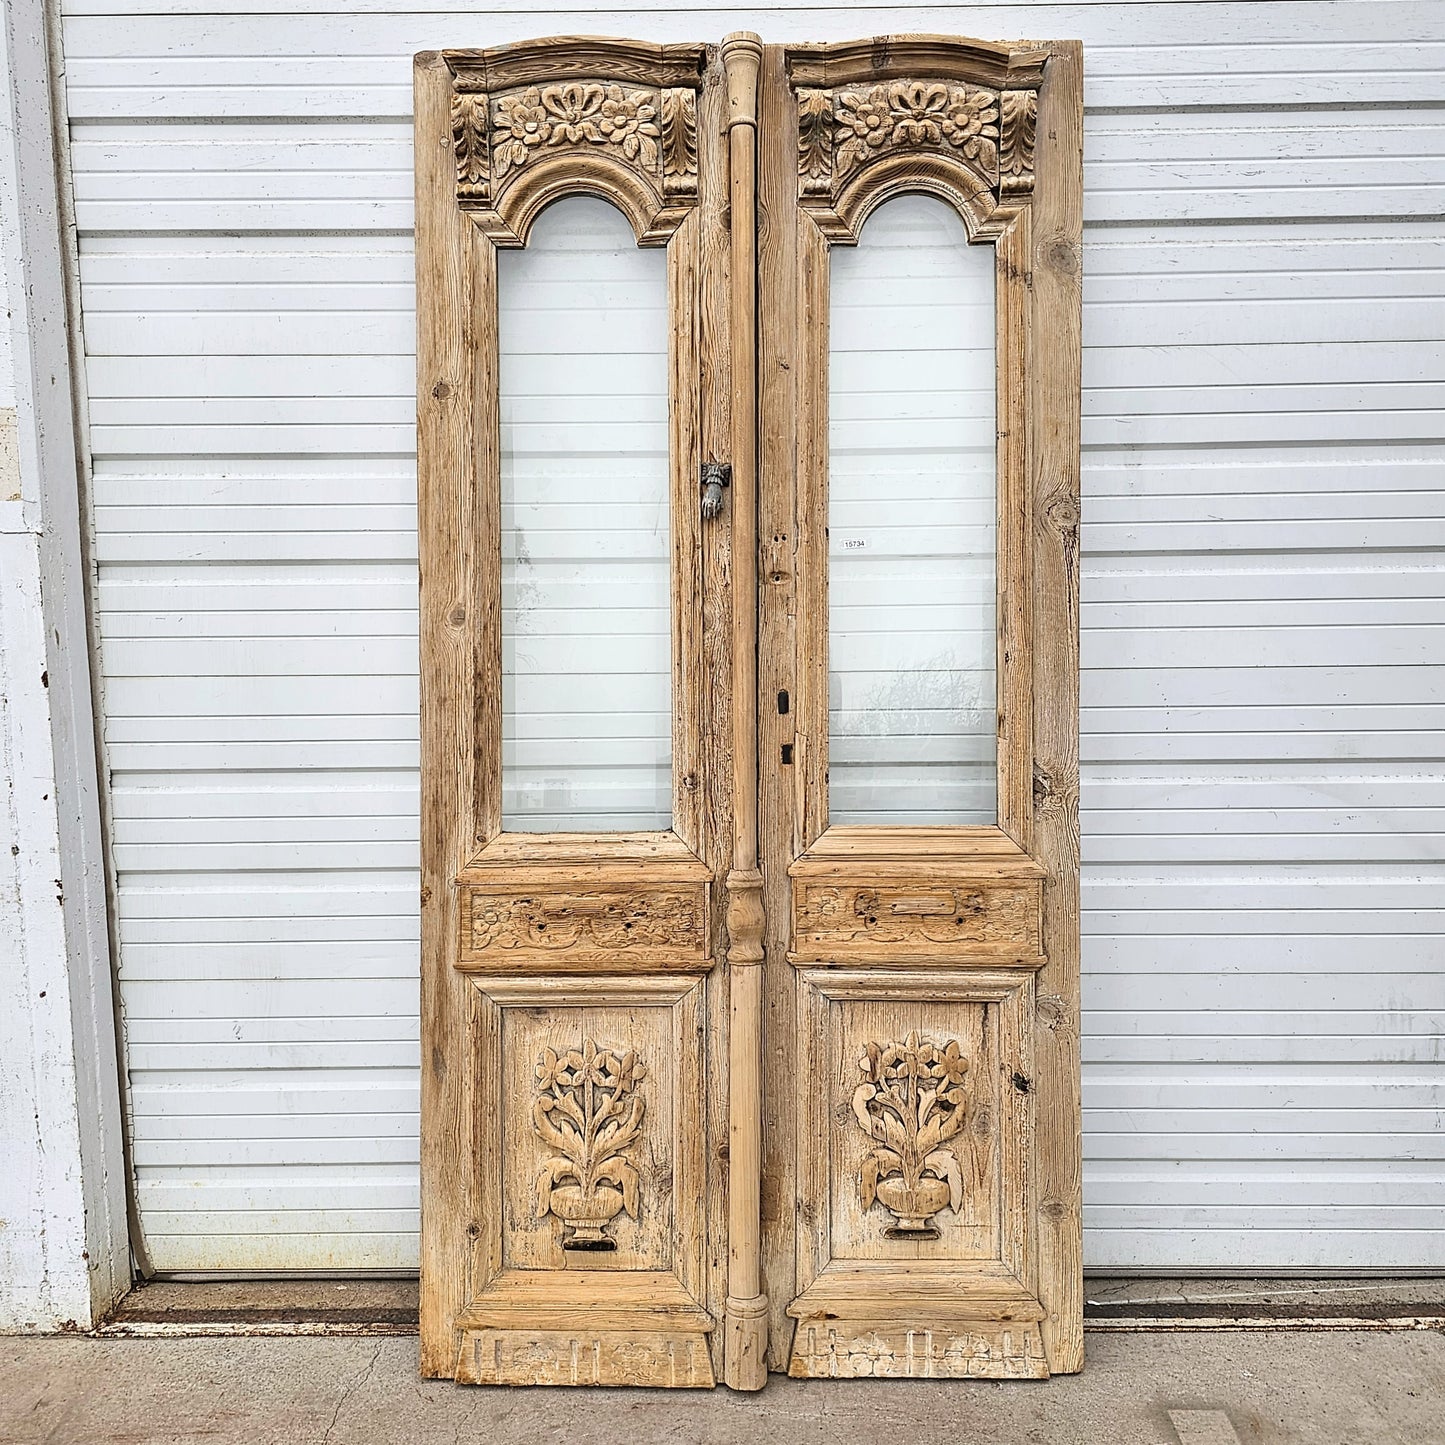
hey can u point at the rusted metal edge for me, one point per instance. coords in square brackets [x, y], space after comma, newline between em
[253, 1329]
[376, 1329]
[1296, 1325]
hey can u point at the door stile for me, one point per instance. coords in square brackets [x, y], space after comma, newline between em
[779, 782]
[446, 444]
[745, 1348]
[1015, 532]
[1055, 323]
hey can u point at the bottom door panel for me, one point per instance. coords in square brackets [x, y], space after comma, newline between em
[591, 1264]
[915, 1129]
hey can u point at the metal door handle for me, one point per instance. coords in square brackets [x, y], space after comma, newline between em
[713, 477]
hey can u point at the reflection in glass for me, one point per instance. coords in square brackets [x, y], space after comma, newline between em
[586, 634]
[911, 518]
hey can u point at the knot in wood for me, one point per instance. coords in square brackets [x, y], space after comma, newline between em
[1063, 514]
[1062, 256]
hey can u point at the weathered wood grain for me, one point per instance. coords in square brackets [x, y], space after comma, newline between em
[922, 943]
[576, 1081]
[1053, 445]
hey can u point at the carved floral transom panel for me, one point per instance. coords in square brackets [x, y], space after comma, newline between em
[974, 140]
[650, 129]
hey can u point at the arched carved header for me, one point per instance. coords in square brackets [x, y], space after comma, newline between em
[955, 118]
[542, 119]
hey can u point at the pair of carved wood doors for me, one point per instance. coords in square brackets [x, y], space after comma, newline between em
[788, 1080]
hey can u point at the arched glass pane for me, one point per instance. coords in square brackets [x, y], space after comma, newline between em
[912, 523]
[586, 631]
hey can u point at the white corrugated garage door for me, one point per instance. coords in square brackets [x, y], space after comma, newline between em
[1263, 623]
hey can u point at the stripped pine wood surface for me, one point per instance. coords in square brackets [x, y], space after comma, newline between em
[581, 1075]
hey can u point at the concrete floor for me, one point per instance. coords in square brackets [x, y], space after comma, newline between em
[1178, 1388]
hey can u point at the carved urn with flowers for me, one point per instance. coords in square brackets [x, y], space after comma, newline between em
[589, 1111]
[909, 1103]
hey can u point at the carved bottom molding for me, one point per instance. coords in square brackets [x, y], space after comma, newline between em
[841, 1349]
[585, 1357]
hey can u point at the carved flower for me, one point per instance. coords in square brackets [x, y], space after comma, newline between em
[574, 110]
[918, 110]
[490, 922]
[865, 123]
[552, 1071]
[969, 123]
[622, 1074]
[910, 1059]
[521, 124]
[950, 1065]
[629, 119]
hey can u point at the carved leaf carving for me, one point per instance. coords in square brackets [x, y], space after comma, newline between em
[815, 138]
[679, 140]
[1019, 111]
[469, 142]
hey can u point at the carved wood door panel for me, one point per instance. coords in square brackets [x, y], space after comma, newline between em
[749, 678]
[920, 403]
[577, 687]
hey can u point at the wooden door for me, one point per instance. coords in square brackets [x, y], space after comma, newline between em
[651, 965]
[578, 695]
[920, 401]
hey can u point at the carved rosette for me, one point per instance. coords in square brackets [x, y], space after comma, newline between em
[643, 135]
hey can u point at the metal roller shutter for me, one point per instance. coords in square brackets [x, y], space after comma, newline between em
[1264, 781]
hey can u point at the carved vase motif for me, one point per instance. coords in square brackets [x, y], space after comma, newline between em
[588, 1110]
[909, 1103]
